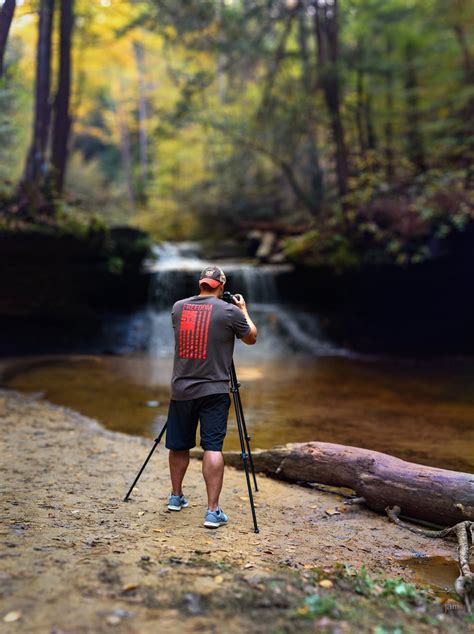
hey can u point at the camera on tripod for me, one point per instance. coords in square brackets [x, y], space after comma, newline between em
[228, 297]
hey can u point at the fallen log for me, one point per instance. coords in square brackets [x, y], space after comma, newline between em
[434, 495]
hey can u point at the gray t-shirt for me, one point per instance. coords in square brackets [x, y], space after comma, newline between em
[204, 331]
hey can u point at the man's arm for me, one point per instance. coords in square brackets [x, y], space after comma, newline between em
[251, 337]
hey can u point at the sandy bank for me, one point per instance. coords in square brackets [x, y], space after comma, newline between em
[75, 558]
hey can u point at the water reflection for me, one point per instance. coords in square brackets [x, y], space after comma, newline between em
[422, 412]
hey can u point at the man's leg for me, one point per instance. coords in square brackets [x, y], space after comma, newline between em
[180, 435]
[213, 472]
[213, 414]
[178, 462]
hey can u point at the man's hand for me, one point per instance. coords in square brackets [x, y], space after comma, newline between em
[240, 302]
[251, 338]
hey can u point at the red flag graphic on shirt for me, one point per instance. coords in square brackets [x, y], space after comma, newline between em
[193, 331]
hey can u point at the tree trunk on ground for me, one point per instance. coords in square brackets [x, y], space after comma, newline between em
[426, 493]
[36, 163]
[6, 18]
[62, 120]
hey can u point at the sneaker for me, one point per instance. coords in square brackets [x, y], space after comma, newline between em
[177, 502]
[214, 519]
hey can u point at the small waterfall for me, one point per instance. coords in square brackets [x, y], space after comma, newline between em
[177, 272]
[281, 328]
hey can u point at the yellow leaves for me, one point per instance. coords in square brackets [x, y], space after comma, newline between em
[326, 583]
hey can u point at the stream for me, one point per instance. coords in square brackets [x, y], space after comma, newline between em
[296, 385]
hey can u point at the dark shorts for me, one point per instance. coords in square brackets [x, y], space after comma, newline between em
[211, 411]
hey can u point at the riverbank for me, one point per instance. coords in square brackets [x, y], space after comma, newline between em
[75, 558]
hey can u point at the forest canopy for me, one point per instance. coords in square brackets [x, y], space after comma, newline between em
[347, 124]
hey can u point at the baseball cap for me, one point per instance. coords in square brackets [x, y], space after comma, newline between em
[212, 275]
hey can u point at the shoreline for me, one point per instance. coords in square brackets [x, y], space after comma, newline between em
[78, 559]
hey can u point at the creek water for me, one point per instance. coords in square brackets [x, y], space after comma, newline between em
[296, 385]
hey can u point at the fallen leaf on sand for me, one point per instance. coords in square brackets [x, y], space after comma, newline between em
[11, 617]
[129, 586]
[113, 619]
[332, 512]
[326, 583]
[157, 530]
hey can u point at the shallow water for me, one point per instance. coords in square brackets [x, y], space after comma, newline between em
[438, 572]
[422, 412]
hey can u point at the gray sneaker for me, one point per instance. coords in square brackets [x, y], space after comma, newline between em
[177, 502]
[214, 519]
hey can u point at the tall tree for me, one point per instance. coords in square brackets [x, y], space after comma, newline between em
[326, 31]
[6, 18]
[415, 148]
[125, 144]
[62, 118]
[36, 167]
[308, 85]
[142, 114]
[389, 98]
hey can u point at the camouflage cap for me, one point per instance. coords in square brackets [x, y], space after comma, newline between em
[212, 275]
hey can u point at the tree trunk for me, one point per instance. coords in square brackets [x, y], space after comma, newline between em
[315, 174]
[142, 113]
[62, 119]
[426, 493]
[36, 167]
[125, 148]
[371, 136]
[6, 18]
[326, 31]
[414, 137]
[360, 112]
[467, 112]
[389, 168]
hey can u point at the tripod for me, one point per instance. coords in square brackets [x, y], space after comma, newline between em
[244, 445]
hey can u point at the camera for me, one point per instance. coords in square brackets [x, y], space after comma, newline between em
[228, 297]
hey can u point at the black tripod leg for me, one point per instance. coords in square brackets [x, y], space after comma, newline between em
[235, 386]
[157, 442]
[247, 441]
[244, 456]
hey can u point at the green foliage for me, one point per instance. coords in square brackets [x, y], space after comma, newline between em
[115, 265]
[240, 132]
[317, 605]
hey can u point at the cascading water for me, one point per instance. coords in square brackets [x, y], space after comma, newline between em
[281, 329]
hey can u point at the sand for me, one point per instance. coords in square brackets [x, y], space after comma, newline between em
[76, 558]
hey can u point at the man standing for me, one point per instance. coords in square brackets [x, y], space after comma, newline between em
[205, 327]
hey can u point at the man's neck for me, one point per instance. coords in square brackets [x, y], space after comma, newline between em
[207, 294]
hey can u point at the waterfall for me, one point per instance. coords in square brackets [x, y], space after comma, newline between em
[282, 328]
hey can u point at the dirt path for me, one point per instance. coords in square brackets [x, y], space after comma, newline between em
[75, 558]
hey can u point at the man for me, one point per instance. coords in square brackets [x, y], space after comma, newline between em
[205, 327]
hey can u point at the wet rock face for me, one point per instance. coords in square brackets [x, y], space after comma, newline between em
[65, 277]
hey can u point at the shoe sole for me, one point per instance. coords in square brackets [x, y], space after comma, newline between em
[177, 508]
[214, 524]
